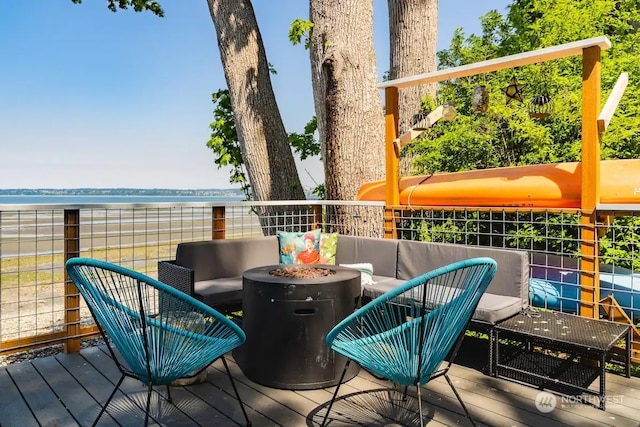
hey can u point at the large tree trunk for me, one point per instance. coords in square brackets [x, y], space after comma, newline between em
[263, 140]
[413, 33]
[347, 100]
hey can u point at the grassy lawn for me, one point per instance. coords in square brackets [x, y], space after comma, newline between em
[49, 269]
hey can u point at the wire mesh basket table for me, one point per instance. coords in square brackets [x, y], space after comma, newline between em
[559, 351]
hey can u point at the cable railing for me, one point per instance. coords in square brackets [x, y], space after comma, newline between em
[40, 307]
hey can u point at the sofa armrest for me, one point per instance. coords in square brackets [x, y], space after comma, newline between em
[176, 276]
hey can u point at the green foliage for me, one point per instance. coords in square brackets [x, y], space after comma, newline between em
[224, 141]
[621, 242]
[304, 143]
[506, 135]
[138, 5]
[299, 29]
[320, 191]
[226, 147]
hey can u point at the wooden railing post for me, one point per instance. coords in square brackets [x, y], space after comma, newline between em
[317, 217]
[219, 225]
[72, 297]
[390, 229]
[589, 248]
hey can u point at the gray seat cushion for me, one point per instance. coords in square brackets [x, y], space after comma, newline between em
[218, 292]
[494, 308]
[381, 285]
[511, 279]
[491, 308]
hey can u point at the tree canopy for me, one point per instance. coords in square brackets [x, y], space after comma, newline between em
[137, 5]
[506, 135]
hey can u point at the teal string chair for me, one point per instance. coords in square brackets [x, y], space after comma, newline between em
[161, 334]
[405, 334]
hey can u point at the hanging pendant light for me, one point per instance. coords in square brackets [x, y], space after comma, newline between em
[541, 106]
[449, 111]
[514, 91]
[480, 99]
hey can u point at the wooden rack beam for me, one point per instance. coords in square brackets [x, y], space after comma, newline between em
[511, 61]
[612, 102]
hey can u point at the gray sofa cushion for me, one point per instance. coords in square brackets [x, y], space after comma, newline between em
[381, 253]
[508, 292]
[511, 279]
[381, 285]
[213, 259]
[494, 308]
[219, 291]
[491, 308]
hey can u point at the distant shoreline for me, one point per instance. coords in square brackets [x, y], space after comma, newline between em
[140, 192]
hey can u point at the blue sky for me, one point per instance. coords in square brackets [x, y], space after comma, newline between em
[89, 98]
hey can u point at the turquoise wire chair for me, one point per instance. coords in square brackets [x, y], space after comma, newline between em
[161, 334]
[405, 334]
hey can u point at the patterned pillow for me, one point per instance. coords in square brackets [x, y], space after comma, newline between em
[299, 247]
[328, 247]
[366, 272]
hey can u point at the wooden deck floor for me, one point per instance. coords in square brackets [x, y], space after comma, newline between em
[65, 390]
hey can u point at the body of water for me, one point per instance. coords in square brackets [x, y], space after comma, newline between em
[41, 230]
[104, 199]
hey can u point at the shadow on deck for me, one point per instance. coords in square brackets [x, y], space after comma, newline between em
[64, 390]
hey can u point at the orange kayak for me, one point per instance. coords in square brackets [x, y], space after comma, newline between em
[555, 185]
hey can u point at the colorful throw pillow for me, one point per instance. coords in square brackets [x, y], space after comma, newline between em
[328, 248]
[299, 247]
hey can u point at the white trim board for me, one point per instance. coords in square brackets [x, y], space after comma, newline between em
[511, 61]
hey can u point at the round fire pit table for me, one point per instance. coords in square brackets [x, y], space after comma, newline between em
[287, 320]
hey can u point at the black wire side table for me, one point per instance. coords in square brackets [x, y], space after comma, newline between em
[558, 351]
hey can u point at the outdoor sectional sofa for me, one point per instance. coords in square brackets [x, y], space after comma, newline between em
[212, 270]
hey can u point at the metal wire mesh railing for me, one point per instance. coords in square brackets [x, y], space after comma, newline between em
[34, 245]
[37, 307]
[552, 239]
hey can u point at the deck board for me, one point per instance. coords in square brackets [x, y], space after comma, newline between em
[39, 396]
[68, 389]
[76, 399]
[20, 414]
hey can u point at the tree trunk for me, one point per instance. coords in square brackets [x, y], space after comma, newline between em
[413, 33]
[347, 100]
[263, 140]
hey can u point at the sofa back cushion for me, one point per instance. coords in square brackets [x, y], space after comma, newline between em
[382, 254]
[511, 279]
[213, 259]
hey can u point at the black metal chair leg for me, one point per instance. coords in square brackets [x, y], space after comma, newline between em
[146, 412]
[466, 411]
[233, 384]
[169, 398]
[420, 405]
[335, 393]
[104, 407]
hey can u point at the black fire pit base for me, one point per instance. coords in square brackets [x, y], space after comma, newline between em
[287, 321]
